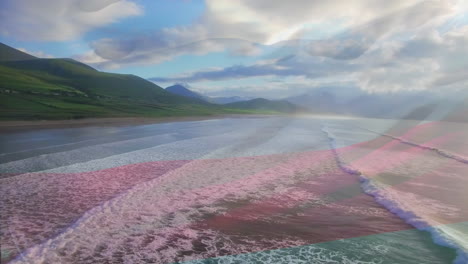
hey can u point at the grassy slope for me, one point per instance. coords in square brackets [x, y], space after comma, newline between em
[32, 88]
[58, 89]
[182, 91]
[8, 53]
[63, 88]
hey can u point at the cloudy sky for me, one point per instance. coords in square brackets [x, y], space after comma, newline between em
[254, 47]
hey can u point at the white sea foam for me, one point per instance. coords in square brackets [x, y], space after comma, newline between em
[167, 204]
[161, 210]
[407, 207]
[297, 255]
[270, 136]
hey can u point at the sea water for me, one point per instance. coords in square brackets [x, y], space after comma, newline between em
[237, 190]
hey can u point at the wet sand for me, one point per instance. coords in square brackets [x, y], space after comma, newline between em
[27, 125]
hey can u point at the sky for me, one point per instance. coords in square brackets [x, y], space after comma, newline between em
[265, 48]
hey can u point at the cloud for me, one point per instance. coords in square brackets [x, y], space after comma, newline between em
[245, 27]
[427, 61]
[61, 20]
[232, 72]
[342, 54]
[268, 21]
[451, 78]
[380, 45]
[356, 41]
[300, 65]
[276, 88]
[39, 54]
[164, 46]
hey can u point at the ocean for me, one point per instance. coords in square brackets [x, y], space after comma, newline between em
[303, 189]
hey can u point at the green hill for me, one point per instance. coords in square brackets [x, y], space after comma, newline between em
[33, 88]
[67, 75]
[261, 104]
[8, 53]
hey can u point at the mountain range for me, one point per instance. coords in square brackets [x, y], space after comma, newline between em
[418, 105]
[334, 101]
[349, 102]
[184, 90]
[63, 88]
[238, 102]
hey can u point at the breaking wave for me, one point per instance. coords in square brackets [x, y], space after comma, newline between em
[444, 235]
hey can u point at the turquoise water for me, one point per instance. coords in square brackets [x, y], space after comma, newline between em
[409, 246]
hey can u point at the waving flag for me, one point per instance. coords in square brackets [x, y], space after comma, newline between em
[235, 196]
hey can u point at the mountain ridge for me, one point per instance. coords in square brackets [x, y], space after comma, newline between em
[182, 90]
[8, 53]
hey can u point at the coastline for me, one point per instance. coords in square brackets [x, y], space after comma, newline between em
[27, 125]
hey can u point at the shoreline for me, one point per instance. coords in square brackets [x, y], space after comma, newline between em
[16, 126]
[29, 125]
